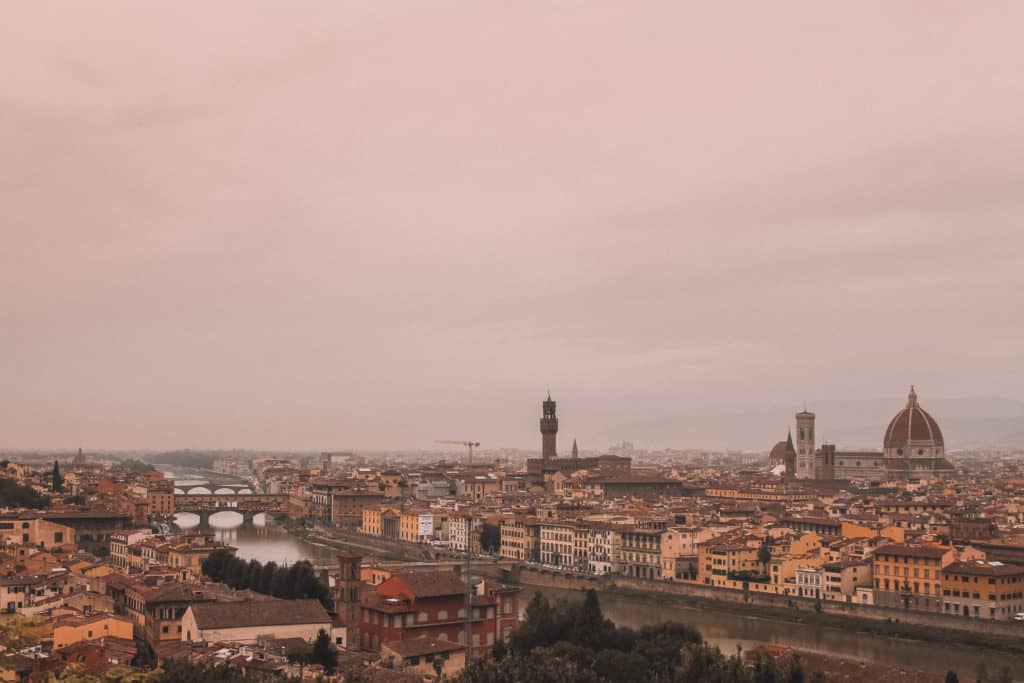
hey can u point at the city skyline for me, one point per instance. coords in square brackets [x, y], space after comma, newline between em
[366, 225]
[975, 423]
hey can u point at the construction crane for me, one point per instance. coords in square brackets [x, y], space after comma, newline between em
[468, 444]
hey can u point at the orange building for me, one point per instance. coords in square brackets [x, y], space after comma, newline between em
[71, 630]
[983, 590]
[910, 576]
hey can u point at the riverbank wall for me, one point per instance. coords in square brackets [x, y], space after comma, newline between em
[870, 617]
[787, 606]
[370, 545]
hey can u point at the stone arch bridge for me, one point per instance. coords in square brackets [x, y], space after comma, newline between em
[248, 506]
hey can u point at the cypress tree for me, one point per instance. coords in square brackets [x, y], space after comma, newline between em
[57, 484]
[324, 652]
[266, 578]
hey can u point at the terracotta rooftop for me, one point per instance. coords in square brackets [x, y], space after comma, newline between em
[984, 569]
[428, 584]
[216, 615]
[901, 550]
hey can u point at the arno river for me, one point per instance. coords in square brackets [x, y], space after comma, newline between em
[266, 541]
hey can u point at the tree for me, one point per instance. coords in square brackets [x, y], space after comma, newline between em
[252, 575]
[266, 578]
[490, 538]
[17, 495]
[796, 671]
[185, 672]
[951, 677]
[16, 632]
[324, 652]
[764, 554]
[532, 668]
[590, 622]
[538, 628]
[57, 484]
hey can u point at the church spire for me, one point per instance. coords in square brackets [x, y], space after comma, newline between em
[575, 450]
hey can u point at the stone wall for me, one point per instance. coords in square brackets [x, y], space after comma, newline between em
[539, 577]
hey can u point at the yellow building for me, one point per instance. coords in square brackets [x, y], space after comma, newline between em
[719, 558]
[425, 656]
[679, 552]
[373, 522]
[983, 590]
[191, 552]
[910, 576]
[851, 530]
[71, 630]
[409, 525]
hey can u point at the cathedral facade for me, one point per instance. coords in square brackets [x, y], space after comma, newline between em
[912, 449]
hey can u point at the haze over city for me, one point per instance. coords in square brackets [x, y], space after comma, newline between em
[374, 225]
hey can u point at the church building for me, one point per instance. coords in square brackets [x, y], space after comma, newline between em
[912, 450]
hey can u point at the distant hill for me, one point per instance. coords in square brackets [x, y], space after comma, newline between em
[193, 459]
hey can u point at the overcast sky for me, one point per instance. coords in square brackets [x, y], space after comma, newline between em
[376, 224]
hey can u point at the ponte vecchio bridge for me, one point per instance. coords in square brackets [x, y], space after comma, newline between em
[247, 505]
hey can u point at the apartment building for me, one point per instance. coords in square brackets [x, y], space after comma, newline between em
[983, 590]
[910, 576]
[640, 553]
[679, 552]
[603, 544]
[557, 545]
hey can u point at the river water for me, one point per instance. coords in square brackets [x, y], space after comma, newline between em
[266, 541]
[728, 629]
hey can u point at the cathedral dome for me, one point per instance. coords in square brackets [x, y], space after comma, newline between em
[912, 428]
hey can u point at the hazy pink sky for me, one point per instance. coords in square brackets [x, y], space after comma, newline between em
[355, 224]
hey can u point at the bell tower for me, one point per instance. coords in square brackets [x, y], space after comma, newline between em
[548, 429]
[805, 445]
[347, 596]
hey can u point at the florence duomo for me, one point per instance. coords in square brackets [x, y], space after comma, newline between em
[912, 450]
[447, 342]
